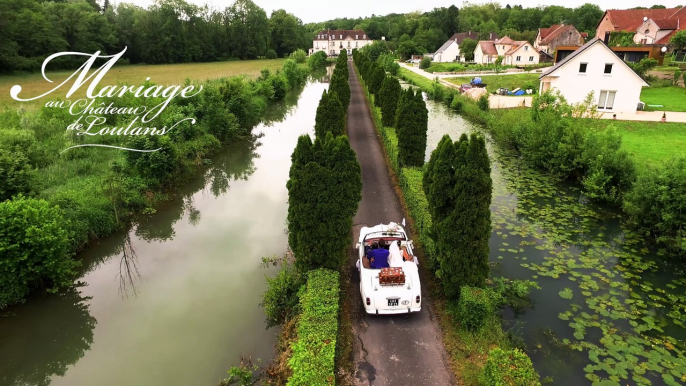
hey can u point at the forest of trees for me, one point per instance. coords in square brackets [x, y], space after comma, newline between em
[169, 31]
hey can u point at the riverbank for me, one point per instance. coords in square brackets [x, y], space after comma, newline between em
[121, 183]
[609, 301]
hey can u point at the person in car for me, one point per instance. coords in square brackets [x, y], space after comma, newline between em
[378, 256]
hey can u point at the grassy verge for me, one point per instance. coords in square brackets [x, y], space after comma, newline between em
[314, 351]
[414, 79]
[651, 144]
[468, 350]
[162, 74]
[494, 82]
[672, 98]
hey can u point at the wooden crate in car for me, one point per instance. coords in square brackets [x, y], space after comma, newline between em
[391, 276]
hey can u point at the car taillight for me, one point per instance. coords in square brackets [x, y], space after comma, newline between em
[369, 302]
[417, 298]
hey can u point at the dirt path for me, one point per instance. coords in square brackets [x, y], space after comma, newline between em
[398, 349]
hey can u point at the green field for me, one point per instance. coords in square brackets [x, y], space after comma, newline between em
[494, 82]
[415, 79]
[652, 143]
[164, 74]
[672, 98]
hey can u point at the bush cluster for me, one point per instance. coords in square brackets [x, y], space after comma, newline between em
[324, 189]
[317, 60]
[387, 100]
[473, 307]
[411, 122]
[509, 368]
[313, 360]
[458, 186]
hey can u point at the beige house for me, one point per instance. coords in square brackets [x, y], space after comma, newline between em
[450, 50]
[514, 53]
[548, 39]
[332, 42]
[594, 67]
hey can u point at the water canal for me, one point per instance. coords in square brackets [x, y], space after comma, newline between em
[174, 301]
[609, 306]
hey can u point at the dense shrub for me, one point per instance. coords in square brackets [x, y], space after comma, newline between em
[387, 61]
[375, 77]
[294, 73]
[656, 206]
[15, 174]
[281, 299]
[388, 100]
[299, 55]
[473, 307]
[330, 116]
[313, 359]
[34, 249]
[339, 85]
[411, 122]
[483, 103]
[317, 60]
[425, 63]
[458, 187]
[271, 54]
[509, 368]
[324, 190]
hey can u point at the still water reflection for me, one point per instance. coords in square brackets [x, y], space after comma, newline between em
[174, 301]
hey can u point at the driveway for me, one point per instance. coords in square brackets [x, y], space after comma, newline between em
[398, 349]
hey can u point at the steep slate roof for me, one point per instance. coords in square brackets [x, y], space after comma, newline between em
[488, 47]
[631, 19]
[578, 52]
[553, 32]
[347, 34]
[458, 38]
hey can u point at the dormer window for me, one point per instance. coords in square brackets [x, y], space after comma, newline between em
[356, 37]
[364, 36]
[341, 37]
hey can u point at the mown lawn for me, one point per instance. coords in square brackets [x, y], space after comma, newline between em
[672, 98]
[163, 74]
[652, 143]
[494, 82]
[415, 79]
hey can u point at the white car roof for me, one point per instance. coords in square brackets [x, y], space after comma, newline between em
[393, 227]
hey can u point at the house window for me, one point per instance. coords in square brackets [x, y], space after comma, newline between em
[364, 36]
[355, 44]
[644, 41]
[341, 37]
[356, 37]
[348, 44]
[583, 67]
[608, 68]
[531, 58]
[519, 59]
[526, 48]
[316, 45]
[606, 100]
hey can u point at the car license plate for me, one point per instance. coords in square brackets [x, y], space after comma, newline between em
[393, 302]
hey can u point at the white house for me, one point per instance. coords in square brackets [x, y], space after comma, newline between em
[450, 50]
[334, 41]
[595, 68]
[514, 53]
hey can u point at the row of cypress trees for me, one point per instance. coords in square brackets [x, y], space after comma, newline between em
[404, 110]
[325, 183]
[333, 105]
[457, 183]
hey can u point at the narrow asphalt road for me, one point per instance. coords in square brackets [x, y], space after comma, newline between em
[390, 350]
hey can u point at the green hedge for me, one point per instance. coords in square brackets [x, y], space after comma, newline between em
[509, 368]
[313, 359]
[418, 206]
[473, 307]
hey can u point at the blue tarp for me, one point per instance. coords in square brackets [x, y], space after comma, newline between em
[520, 92]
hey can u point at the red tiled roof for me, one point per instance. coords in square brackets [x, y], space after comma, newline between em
[337, 33]
[516, 45]
[631, 19]
[666, 23]
[505, 40]
[584, 35]
[488, 47]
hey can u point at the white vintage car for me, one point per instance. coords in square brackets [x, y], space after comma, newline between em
[382, 297]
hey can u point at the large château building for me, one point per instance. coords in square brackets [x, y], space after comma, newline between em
[334, 41]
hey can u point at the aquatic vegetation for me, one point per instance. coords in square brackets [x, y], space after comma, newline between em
[626, 309]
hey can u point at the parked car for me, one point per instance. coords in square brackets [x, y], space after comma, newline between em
[392, 290]
[464, 87]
